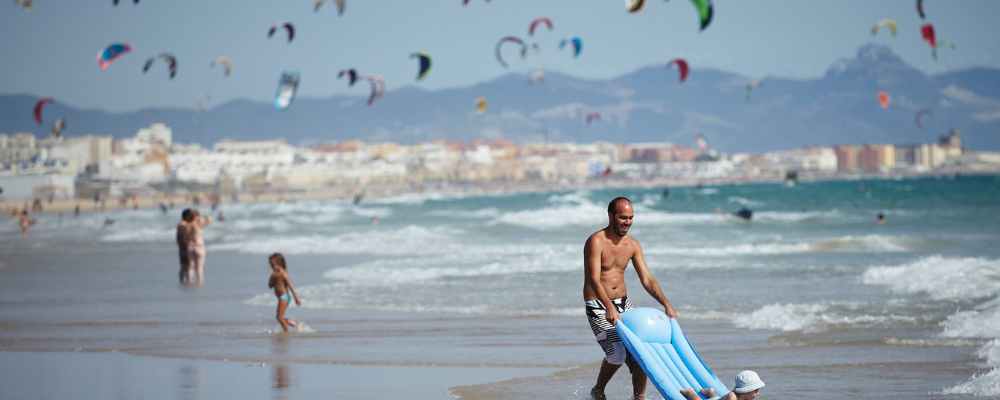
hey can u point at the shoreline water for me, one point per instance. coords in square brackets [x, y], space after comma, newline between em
[442, 189]
[829, 302]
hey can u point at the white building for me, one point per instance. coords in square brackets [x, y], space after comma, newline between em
[157, 133]
[31, 186]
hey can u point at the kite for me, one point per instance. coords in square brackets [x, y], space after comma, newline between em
[576, 42]
[634, 6]
[341, 4]
[111, 53]
[885, 23]
[592, 116]
[883, 99]
[682, 66]
[705, 12]
[166, 57]
[927, 32]
[225, 62]
[288, 85]
[425, 64]
[480, 105]
[39, 107]
[378, 88]
[288, 28]
[352, 76]
[511, 39]
[536, 21]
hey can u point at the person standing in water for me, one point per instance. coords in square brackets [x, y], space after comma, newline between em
[182, 236]
[606, 255]
[25, 222]
[284, 290]
[196, 245]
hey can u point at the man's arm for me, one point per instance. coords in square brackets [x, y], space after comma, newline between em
[649, 281]
[592, 267]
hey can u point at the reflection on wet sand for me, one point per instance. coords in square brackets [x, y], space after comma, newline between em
[280, 372]
[190, 383]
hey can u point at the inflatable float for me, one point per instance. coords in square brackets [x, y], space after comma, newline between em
[657, 343]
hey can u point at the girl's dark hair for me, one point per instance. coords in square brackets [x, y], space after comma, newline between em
[186, 214]
[279, 259]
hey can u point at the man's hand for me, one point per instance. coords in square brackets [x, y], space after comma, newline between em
[297, 302]
[612, 315]
[670, 311]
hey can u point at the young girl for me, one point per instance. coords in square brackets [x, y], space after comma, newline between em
[283, 288]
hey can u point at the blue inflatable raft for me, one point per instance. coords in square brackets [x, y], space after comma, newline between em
[660, 347]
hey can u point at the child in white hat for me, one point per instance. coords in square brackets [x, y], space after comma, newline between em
[747, 387]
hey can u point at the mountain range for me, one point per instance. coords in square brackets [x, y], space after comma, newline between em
[646, 105]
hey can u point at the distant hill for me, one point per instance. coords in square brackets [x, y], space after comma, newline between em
[645, 105]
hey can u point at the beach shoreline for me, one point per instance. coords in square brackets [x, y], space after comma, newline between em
[360, 193]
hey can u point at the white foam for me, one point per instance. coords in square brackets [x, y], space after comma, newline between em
[409, 240]
[940, 278]
[799, 216]
[743, 201]
[369, 212]
[144, 235]
[577, 197]
[586, 214]
[733, 250]
[472, 214]
[983, 385]
[812, 317]
[868, 243]
[956, 280]
[475, 261]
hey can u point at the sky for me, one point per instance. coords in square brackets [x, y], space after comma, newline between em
[51, 50]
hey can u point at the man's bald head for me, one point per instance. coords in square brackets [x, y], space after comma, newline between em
[617, 204]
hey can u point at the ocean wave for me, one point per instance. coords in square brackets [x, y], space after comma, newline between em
[956, 279]
[867, 243]
[811, 318]
[371, 212]
[932, 342]
[743, 201]
[801, 216]
[577, 197]
[982, 385]
[474, 262]
[940, 278]
[585, 214]
[409, 240]
[143, 235]
[248, 225]
[471, 214]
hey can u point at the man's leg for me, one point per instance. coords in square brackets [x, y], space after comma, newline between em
[638, 379]
[607, 371]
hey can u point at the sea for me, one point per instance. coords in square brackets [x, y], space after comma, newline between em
[812, 292]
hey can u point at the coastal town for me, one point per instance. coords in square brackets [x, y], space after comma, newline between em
[151, 165]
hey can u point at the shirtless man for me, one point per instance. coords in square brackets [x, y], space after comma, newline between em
[183, 235]
[605, 257]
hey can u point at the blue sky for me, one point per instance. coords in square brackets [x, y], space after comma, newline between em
[51, 50]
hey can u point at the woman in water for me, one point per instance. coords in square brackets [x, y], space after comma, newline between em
[283, 288]
[196, 245]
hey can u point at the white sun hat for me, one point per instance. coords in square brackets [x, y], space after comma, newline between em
[747, 381]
